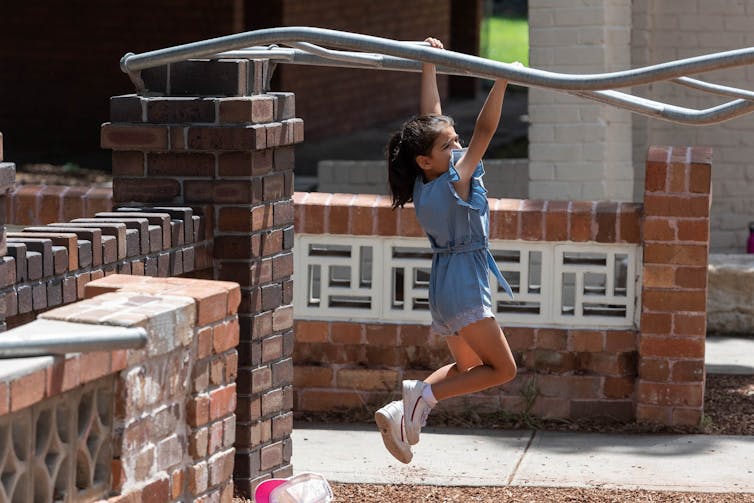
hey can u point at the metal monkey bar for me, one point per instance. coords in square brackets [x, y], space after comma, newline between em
[304, 46]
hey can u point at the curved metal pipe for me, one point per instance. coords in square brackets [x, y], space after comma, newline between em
[409, 56]
[718, 89]
[673, 113]
[471, 64]
[367, 59]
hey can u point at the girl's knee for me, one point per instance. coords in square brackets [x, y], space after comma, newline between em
[506, 373]
[512, 371]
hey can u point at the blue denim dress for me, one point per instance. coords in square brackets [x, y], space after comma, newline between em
[458, 230]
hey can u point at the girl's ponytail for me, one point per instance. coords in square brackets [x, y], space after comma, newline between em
[401, 172]
[415, 138]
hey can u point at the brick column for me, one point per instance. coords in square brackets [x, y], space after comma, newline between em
[7, 269]
[572, 155]
[670, 389]
[209, 136]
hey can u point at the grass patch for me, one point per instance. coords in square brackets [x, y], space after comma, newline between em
[505, 39]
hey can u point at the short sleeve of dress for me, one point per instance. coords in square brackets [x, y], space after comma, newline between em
[477, 193]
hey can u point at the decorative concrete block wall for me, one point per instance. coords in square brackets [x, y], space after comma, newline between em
[149, 424]
[576, 372]
[208, 135]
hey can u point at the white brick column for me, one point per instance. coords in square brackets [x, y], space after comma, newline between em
[579, 149]
[665, 30]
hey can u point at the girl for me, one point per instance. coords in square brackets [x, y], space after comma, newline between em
[428, 167]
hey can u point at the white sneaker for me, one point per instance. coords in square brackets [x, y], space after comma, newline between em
[389, 420]
[416, 409]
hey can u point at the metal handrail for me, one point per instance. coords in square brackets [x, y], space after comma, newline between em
[107, 338]
[408, 56]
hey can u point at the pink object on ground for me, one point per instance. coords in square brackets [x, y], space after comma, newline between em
[263, 490]
[301, 488]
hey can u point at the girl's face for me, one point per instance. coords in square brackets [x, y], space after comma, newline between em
[437, 161]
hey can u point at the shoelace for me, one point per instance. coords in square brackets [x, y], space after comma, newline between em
[425, 414]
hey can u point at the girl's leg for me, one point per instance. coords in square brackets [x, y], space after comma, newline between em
[483, 360]
[465, 359]
[496, 365]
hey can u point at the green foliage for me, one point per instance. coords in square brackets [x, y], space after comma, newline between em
[706, 424]
[505, 39]
[530, 392]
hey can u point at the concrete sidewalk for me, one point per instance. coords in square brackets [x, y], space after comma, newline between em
[459, 457]
[463, 457]
[729, 355]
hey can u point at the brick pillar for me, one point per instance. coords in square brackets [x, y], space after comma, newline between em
[670, 389]
[209, 136]
[7, 265]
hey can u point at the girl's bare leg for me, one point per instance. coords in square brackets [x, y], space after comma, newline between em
[485, 356]
[465, 359]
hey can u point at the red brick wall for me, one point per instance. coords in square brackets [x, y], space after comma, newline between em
[578, 373]
[173, 425]
[530, 220]
[52, 47]
[44, 204]
[49, 265]
[204, 433]
[64, 57]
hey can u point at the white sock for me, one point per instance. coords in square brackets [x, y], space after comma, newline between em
[428, 396]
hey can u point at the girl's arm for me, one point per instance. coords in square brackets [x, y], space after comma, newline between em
[484, 130]
[430, 98]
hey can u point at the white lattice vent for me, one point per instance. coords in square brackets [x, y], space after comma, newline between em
[59, 449]
[555, 284]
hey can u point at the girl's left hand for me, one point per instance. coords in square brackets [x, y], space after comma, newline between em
[515, 64]
[433, 42]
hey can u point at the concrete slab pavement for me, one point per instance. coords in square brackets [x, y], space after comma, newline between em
[356, 454]
[525, 458]
[729, 355]
[703, 463]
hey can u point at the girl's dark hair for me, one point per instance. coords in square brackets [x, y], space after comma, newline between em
[415, 138]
